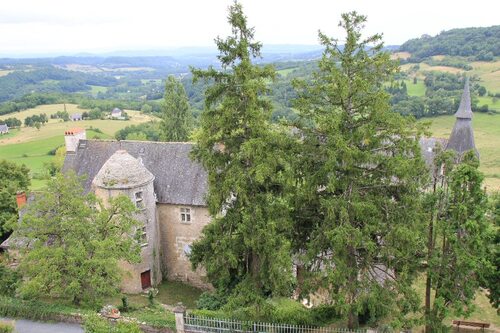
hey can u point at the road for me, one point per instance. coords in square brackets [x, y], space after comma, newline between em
[29, 326]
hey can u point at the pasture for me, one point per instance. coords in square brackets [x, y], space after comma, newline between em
[487, 138]
[31, 147]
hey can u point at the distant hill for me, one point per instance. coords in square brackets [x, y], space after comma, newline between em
[481, 44]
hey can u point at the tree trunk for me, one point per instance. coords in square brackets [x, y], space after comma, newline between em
[352, 322]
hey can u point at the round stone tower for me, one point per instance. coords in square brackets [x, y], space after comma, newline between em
[122, 174]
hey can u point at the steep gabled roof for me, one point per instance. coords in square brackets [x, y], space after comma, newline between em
[178, 179]
[464, 110]
[462, 136]
[4, 127]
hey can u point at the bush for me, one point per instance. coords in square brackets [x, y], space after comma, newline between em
[283, 310]
[15, 308]
[9, 280]
[96, 324]
[6, 328]
[211, 301]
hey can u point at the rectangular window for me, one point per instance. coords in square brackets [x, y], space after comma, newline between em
[138, 200]
[186, 215]
[143, 236]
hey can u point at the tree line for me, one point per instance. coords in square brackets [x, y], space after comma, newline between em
[479, 43]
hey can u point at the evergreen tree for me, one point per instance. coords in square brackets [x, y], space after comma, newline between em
[176, 116]
[244, 249]
[359, 176]
[72, 242]
[459, 238]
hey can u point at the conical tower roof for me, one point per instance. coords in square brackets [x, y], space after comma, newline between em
[462, 136]
[464, 110]
[121, 171]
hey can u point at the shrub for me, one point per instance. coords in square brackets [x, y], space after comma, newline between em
[6, 328]
[9, 279]
[211, 301]
[96, 324]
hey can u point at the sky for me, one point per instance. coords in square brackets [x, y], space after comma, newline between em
[97, 26]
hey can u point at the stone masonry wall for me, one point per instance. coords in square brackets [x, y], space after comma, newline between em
[176, 238]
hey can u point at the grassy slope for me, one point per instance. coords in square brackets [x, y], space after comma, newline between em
[30, 146]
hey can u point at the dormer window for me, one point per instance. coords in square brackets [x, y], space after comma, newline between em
[185, 215]
[139, 202]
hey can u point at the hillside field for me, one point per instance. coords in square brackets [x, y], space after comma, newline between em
[31, 147]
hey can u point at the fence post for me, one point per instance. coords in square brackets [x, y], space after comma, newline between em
[179, 312]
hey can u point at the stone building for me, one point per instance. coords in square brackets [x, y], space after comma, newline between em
[167, 187]
[169, 190]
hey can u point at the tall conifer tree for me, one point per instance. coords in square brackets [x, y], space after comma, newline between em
[244, 249]
[359, 177]
[176, 118]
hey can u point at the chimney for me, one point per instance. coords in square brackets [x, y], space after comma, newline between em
[72, 137]
[21, 199]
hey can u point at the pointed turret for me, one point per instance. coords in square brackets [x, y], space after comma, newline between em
[464, 110]
[462, 136]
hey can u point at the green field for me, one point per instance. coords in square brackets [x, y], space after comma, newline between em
[30, 146]
[286, 71]
[487, 137]
[417, 89]
[97, 89]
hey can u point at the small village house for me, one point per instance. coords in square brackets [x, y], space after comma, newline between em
[4, 129]
[116, 113]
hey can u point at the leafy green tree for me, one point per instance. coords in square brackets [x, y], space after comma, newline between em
[459, 236]
[13, 178]
[73, 242]
[492, 277]
[359, 174]
[244, 249]
[176, 115]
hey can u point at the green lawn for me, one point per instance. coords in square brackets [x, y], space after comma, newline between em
[417, 89]
[493, 103]
[12, 133]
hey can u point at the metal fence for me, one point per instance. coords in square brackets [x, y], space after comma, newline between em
[196, 324]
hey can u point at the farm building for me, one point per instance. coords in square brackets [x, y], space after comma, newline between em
[76, 117]
[4, 129]
[116, 113]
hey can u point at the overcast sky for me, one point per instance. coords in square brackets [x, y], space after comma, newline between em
[73, 26]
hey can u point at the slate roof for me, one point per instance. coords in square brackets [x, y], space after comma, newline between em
[4, 128]
[428, 148]
[116, 111]
[464, 110]
[122, 171]
[178, 180]
[462, 136]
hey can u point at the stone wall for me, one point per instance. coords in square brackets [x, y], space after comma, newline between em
[150, 252]
[176, 238]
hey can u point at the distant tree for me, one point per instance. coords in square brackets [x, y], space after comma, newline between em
[13, 178]
[75, 242]
[359, 177]
[13, 122]
[481, 91]
[459, 238]
[146, 108]
[415, 80]
[244, 249]
[176, 116]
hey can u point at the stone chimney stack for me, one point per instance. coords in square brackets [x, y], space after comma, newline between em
[72, 137]
[21, 199]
